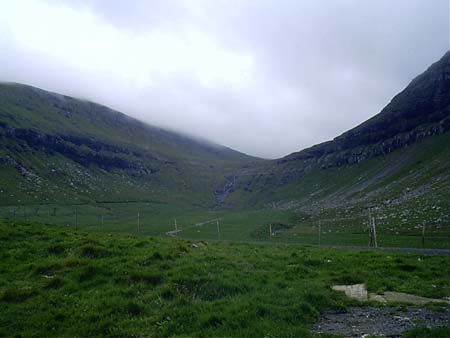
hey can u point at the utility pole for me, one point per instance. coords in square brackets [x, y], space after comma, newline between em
[218, 230]
[270, 230]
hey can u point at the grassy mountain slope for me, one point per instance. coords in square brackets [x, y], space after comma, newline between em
[398, 160]
[60, 149]
[57, 148]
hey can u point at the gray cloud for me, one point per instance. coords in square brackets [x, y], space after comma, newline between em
[264, 77]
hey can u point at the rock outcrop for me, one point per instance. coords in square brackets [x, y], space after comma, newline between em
[421, 110]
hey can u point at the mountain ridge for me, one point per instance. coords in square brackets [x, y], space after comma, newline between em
[418, 113]
[98, 153]
[371, 131]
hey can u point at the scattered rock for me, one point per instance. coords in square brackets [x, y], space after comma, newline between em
[359, 292]
[357, 322]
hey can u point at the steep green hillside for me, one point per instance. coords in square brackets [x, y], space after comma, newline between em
[57, 148]
[397, 163]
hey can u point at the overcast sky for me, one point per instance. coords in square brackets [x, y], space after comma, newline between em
[263, 77]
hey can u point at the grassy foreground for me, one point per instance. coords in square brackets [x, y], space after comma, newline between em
[55, 281]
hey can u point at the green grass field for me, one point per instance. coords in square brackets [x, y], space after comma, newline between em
[157, 219]
[55, 281]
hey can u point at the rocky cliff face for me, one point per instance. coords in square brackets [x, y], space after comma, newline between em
[82, 150]
[419, 111]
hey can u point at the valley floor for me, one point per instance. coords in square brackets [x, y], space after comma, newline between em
[330, 227]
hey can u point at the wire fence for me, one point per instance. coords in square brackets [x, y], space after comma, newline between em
[148, 219]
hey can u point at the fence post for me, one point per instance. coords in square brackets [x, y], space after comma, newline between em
[218, 230]
[374, 233]
[138, 222]
[320, 230]
[423, 235]
[76, 218]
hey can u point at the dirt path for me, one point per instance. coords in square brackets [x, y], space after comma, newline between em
[357, 322]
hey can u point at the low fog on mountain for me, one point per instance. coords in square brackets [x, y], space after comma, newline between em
[225, 168]
[239, 73]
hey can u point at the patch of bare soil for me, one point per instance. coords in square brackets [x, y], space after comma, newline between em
[357, 322]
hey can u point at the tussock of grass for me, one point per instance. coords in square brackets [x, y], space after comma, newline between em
[93, 251]
[17, 295]
[54, 283]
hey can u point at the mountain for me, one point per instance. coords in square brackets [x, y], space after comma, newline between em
[58, 148]
[399, 157]
[421, 110]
